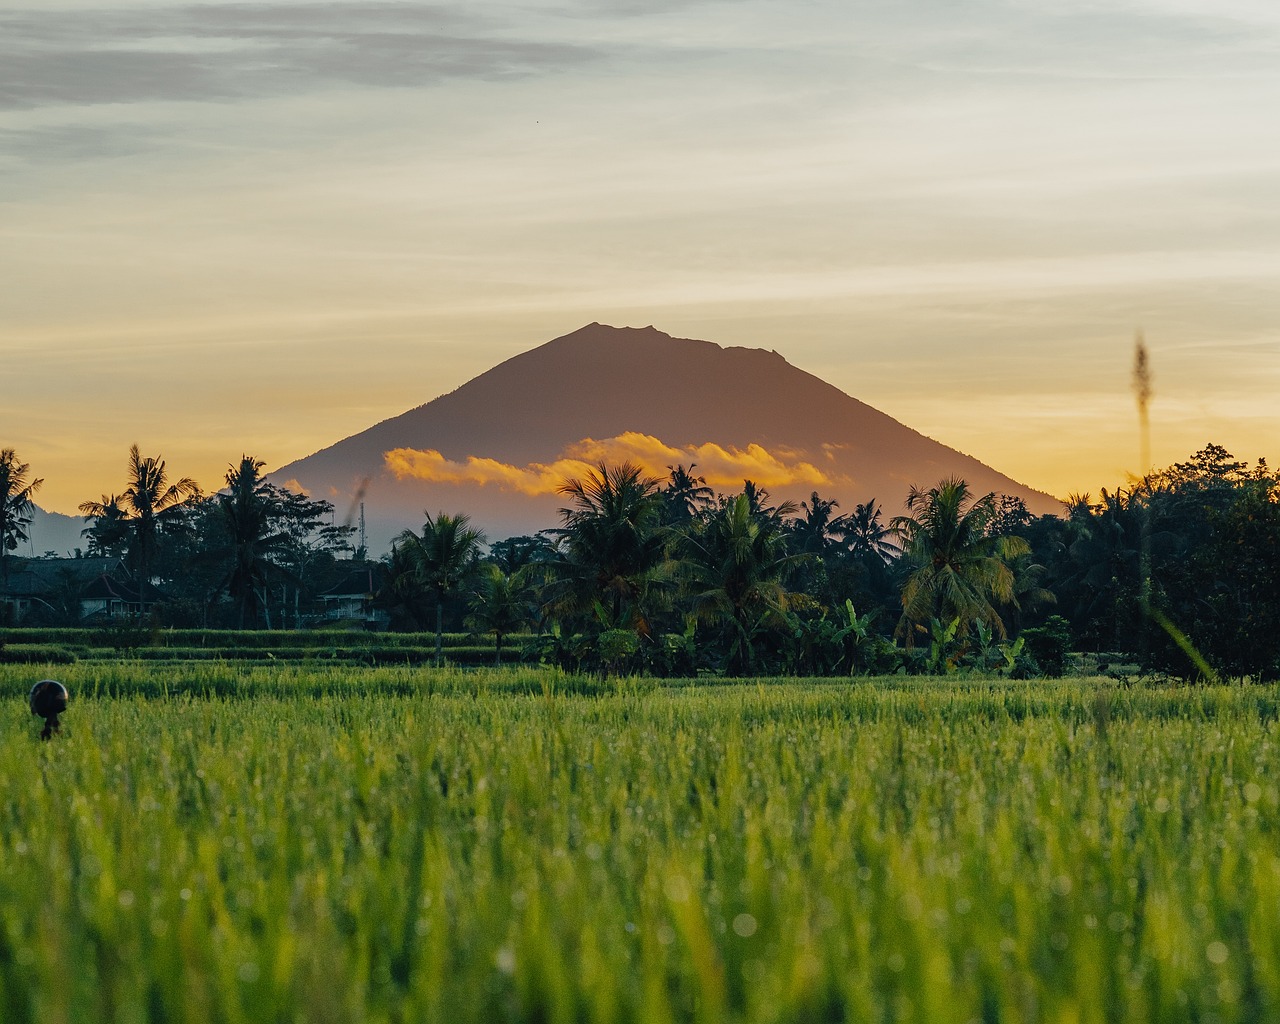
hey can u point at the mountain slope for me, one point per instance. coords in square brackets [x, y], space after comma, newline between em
[53, 531]
[496, 446]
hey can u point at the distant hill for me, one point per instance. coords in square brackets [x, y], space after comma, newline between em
[497, 446]
[52, 531]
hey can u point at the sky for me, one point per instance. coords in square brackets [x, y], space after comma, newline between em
[259, 228]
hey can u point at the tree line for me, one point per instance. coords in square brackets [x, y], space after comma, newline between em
[1177, 573]
[246, 557]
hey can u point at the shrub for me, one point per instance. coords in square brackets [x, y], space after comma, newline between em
[1048, 645]
[36, 654]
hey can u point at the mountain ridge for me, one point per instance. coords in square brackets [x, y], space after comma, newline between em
[481, 447]
[52, 531]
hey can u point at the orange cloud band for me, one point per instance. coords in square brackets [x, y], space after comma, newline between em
[722, 467]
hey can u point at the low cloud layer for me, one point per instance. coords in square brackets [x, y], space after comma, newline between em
[721, 467]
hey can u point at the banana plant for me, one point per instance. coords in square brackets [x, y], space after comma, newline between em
[992, 655]
[944, 657]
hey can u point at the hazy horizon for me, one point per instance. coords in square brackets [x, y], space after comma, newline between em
[264, 227]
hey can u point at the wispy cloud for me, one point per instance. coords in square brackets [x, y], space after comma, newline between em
[722, 467]
[228, 51]
[224, 52]
[59, 144]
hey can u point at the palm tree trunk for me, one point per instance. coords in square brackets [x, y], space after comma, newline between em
[439, 631]
[745, 661]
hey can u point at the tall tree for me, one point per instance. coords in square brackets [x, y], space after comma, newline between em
[684, 495]
[1209, 536]
[1235, 589]
[501, 605]
[443, 556]
[312, 541]
[1098, 570]
[108, 534]
[403, 593]
[1011, 516]
[865, 534]
[864, 569]
[611, 561]
[736, 564]
[514, 553]
[758, 502]
[815, 529]
[961, 571]
[16, 507]
[151, 506]
[247, 513]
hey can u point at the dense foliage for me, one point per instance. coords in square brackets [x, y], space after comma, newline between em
[16, 507]
[1182, 569]
[253, 555]
[1177, 573]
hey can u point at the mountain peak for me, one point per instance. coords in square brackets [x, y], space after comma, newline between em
[498, 446]
[648, 342]
[609, 330]
[607, 334]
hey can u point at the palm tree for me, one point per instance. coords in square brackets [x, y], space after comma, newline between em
[1101, 578]
[961, 571]
[612, 560]
[814, 530]
[247, 513]
[758, 502]
[1029, 593]
[864, 533]
[402, 590]
[109, 533]
[685, 495]
[736, 563]
[15, 506]
[442, 558]
[500, 605]
[868, 553]
[150, 506]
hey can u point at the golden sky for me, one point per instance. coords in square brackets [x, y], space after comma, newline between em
[261, 227]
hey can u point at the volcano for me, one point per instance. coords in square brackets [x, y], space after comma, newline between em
[498, 447]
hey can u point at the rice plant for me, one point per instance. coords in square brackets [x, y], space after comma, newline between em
[249, 843]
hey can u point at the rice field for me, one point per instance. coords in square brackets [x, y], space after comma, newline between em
[245, 843]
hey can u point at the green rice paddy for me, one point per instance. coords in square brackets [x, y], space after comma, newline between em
[248, 843]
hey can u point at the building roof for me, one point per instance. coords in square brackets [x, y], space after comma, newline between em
[104, 588]
[32, 577]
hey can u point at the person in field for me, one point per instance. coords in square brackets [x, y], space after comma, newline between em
[48, 700]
